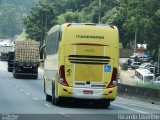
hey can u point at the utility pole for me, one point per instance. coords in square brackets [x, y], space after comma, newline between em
[46, 21]
[100, 2]
[159, 59]
[135, 41]
[46, 18]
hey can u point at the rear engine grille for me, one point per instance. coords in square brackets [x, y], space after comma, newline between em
[88, 59]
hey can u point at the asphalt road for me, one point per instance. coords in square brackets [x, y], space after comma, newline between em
[26, 99]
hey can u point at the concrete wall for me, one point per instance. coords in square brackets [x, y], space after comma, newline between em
[146, 94]
[125, 53]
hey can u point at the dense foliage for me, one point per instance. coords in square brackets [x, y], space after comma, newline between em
[11, 13]
[140, 17]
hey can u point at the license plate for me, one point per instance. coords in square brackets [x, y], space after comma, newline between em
[87, 92]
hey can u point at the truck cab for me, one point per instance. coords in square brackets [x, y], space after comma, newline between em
[10, 61]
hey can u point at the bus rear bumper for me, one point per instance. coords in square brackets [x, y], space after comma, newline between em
[87, 93]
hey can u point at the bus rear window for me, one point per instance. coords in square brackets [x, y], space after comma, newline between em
[148, 78]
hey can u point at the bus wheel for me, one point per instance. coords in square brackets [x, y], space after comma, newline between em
[55, 101]
[104, 103]
[48, 97]
[58, 101]
[53, 97]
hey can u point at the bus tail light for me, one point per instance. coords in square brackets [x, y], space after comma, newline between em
[113, 81]
[62, 79]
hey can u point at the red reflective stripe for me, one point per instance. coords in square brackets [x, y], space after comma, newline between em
[91, 44]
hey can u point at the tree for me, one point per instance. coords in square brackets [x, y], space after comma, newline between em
[11, 22]
[11, 12]
[132, 17]
[136, 16]
[39, 21]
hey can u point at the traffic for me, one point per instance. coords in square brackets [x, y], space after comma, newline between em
[79, 59]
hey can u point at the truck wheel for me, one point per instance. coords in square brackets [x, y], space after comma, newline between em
[35, 76]
[9, 70]
[15, 75]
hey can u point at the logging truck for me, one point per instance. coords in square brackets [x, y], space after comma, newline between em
[26, 59]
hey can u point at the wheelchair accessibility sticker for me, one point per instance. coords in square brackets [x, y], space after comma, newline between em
[107, 68]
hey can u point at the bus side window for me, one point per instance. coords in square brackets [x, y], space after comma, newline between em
[47, 45]
[51, 44]
[60, 35]
[56, 42]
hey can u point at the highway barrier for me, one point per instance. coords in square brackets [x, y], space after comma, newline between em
[145, 94]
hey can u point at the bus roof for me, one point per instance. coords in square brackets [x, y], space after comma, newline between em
[90, 32]
[89, 24]
[56, 27]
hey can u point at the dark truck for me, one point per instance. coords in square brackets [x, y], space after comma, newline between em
[10, 61]
[26, 59]
[4, 50]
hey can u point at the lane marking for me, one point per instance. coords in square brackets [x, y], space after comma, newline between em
[138, 111]
[146, 106]
[21, 90]
[64, 114]
[47, 105]
[27, 94]
[35, 98]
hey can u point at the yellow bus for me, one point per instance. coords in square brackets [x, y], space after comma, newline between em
[82, 62]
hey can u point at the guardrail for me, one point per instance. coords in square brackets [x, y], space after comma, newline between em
[144, 94]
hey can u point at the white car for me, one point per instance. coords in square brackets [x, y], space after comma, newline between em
[144, 58]
[135, 65]
[132, 58]
[145, 65]
[157, 80]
